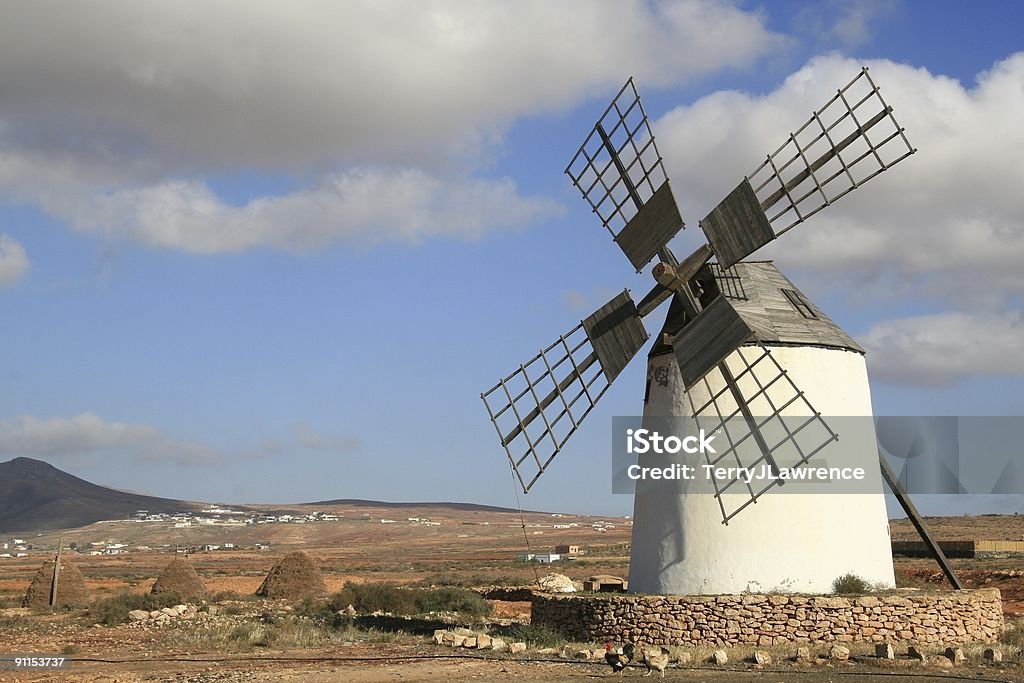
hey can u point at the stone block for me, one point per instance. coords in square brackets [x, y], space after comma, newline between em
[839, 653]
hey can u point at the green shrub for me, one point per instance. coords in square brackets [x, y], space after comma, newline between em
[253, 634]
[451, 599]
[367, 598]
[114, 610]
[849, 584]
[323, 612]
[374, 597]
[1013, 635]
[533, 635]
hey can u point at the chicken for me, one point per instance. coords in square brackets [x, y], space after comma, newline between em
[618, 658]
[655, 662]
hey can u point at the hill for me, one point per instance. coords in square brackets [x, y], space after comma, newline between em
[36, 496]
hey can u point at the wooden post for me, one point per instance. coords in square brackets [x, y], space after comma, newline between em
[56, 574]
[918, 521]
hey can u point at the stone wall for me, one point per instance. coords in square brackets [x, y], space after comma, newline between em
[948, 618]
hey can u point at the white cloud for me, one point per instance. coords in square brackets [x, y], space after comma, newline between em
[86, 433]
[215, 84]
[364, 206]
[13, 260]
[945, 348]
[384, 113]
[308, 437]
[949, 219]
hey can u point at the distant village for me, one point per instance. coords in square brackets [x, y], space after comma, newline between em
[215, 516]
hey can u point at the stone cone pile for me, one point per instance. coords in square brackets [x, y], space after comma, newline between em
[179, 577]
[71, 590]
[295, 577]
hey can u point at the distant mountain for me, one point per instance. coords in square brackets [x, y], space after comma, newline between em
[36, 496]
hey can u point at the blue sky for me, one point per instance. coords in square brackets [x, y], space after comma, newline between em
[276, 256]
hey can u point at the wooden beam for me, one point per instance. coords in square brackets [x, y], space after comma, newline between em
[823, 159]
[677, 276]
[56, 574]
[577, 373]
[915, 518]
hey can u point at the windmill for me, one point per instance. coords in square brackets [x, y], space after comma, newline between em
[740, 344]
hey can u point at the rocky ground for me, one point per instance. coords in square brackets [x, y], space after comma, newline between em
[232, 642]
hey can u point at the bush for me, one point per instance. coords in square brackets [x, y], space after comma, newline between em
[253, 635]
[114, 610]
[367, 598]
[533, 635]
[849, 584]
[452, 600]
[324, 613]
[374, 597]
[1013, 635]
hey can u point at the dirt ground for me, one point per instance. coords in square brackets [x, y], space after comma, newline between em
[467, 549]
[427, 663]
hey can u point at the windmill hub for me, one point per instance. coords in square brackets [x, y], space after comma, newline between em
[740, 345]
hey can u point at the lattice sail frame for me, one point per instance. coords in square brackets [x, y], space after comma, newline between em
[768, 392]
[569, 369]
[847, 142]
[620, 173]
[541, 404]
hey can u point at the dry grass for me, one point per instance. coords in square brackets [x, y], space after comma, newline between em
[284, 634]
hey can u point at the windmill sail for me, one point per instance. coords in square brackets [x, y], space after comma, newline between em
[765, 419]
[846, 143]
[619, 172]
[725, 359]
[541, 404]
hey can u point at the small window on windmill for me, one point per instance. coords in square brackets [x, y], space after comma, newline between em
[800, 303]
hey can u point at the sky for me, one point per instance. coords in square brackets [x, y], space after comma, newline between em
[274, 253]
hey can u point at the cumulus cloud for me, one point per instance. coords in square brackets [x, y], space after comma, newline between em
[945, 348]
[87, 433]
[949, 219]
[383, 113]
[211, 83]
[363, 206]
[13, 260]
[308, 437]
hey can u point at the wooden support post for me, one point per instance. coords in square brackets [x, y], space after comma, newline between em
[56, 574]
[915, 518]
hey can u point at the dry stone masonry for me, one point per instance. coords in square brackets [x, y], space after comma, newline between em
[902, 616]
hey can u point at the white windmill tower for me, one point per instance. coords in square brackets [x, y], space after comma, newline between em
[740, 345]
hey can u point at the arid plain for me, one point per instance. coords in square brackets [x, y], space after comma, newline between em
[407, 546]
